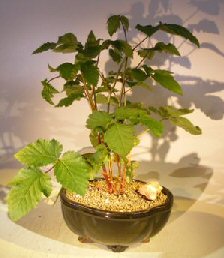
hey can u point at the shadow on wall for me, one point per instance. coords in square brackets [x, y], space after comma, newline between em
[21, 107]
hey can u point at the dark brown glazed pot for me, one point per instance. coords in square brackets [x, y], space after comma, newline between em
[114, 229]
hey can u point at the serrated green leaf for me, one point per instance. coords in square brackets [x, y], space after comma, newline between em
[125, 22]
[90, 73]
[92, 47]
[101, 99]
[120, 139]
[186, 125]
[94, 138]
[113, 24]
[40, 153]
[98, 119]
[66, 43]
[154, 126]
[138, 74]
[48, 91]
[65, 102]
[71, 87]
[148, 29]
[45, 47]
[72, 171]
[68, 71]
[28, 188]
[123, 46]
[179, 30]
[165, 79]
[131, 113]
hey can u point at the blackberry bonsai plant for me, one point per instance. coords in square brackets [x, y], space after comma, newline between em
[104, 209]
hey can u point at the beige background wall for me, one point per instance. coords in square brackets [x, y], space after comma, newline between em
[191, 166]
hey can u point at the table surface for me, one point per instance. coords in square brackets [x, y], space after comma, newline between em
[195, 229]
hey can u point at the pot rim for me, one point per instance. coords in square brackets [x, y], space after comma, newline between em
[118, 215]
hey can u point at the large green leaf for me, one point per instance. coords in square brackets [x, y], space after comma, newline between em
[147, 30]
[186, 125]
[123, 46]
[179, 30]
[48, 91]
[120, 138]
[92, 46]
[113, 24]
[45, 47]
[115, 54]
[28, 188]
[66, 43]
[125, 22]
[40, 153]
[165, 79]
[98, 119]
[68, 71]
[90, 73]
[72, 171]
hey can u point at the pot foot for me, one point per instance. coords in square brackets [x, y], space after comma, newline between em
[83, 239]
[117, 248]
[146, 240]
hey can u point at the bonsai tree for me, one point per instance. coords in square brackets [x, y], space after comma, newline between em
[113, 118]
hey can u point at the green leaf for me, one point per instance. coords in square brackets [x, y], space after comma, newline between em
[179, 30]
[138, 74]
[68, 71]
[123, 46]
[67, 43]
[71, 87]
[147, 30]
[186, 125]
[28, 188]
[101, 99]
[90, 72]
[98, 119]
[72, 172]
[94, 138]
[92, 47]
[155, 126]
[115, 55]
[45, 47]
[65, 102]
[48, 91]
[120, 138]
[167, 48]
[131, 113]
[40, 153]
[125, 22]
[174, 112]
[113, 24]
[165, 79]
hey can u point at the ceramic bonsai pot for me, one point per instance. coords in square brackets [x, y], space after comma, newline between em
[114, 229]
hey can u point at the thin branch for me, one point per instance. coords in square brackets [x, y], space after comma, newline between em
[139, 43]
[56, 77]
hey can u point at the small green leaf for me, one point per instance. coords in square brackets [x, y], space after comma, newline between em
[28, 188]
[68, 71]
[186, 125]
[170, 111]
[71, 87]
[179, 30]
[167, 48]
[92, 47]
[48, 91]
[131, 113]
[40, 153]
[90, 73]
[147, 30]
[120, 138]
[115, 55]
[45, 47]
[72, 171]
[101, 99]
[138, 74]
[154, 126]
[113, 24]
[66, 43]
[165, 79]
[65, 102]
[125, 22]
[98, 119]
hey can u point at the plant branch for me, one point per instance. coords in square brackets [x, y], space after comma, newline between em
[139, 43]
[56, 77]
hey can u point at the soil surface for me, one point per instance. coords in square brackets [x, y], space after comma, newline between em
[98, 197]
